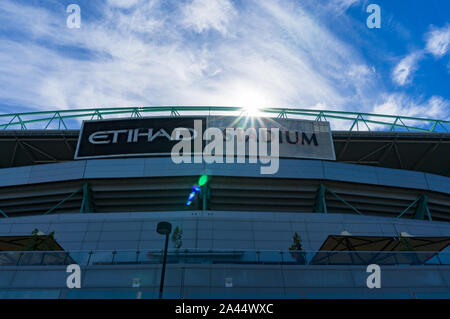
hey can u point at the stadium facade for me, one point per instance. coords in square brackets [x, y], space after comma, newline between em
[383, 199]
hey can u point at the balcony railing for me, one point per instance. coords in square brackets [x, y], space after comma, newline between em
[196, 256]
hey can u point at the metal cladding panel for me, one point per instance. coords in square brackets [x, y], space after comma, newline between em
[5, 278]
[251, 170]
[164, 166]
[438, 183]
[401, 178]
[15, 176]
[120, 167]
[351, 173]
[303, 168]
[317, 278]
[288, 168]
[247, 277]
[300, 168]
[56, 172]
[409, 278]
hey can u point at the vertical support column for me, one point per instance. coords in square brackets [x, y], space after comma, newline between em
[203, 182]
[422, 208]
[205, 197]
[320, 205]
[87, 205]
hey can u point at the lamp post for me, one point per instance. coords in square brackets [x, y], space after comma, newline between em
[164, 228]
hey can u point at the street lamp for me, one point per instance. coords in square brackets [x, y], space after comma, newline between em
[164, 228]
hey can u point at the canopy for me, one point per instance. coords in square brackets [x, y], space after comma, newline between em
[364, 250]
[20, 243]
[28, 250]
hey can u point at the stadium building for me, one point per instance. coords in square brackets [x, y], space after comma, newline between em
[352, 190]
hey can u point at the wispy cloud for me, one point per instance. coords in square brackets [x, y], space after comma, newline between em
[203, 15]
[340, 6]
[397, 103]
[438, 41]
[404, 71]
[437, 44]
[275, 55]
[123, 3]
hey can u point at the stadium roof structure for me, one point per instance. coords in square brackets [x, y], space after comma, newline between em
[390, 141]
[350, 121]
[406, 143]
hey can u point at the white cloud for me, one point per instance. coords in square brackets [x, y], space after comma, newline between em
[400, 104]
[203, 15]
[126, 4]
[340, 6]
[361, 72]
[278, 55]
[438, 41]
[270, 54]
[404, 71]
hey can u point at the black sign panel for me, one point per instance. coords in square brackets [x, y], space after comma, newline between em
[130, 137]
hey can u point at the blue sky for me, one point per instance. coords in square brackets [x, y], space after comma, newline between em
[303, 53]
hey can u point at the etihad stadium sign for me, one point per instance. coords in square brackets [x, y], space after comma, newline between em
[210, 138]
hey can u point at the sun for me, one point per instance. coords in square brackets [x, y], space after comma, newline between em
[251, 110]
[250, 98]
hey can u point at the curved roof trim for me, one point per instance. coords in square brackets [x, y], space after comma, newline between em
[163, 166]
[351, 121]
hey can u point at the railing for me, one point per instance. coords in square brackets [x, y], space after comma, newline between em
[196, 256]
[351, 121]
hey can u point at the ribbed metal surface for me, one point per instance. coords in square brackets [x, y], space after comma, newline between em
[425, 152]
[226, 194]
